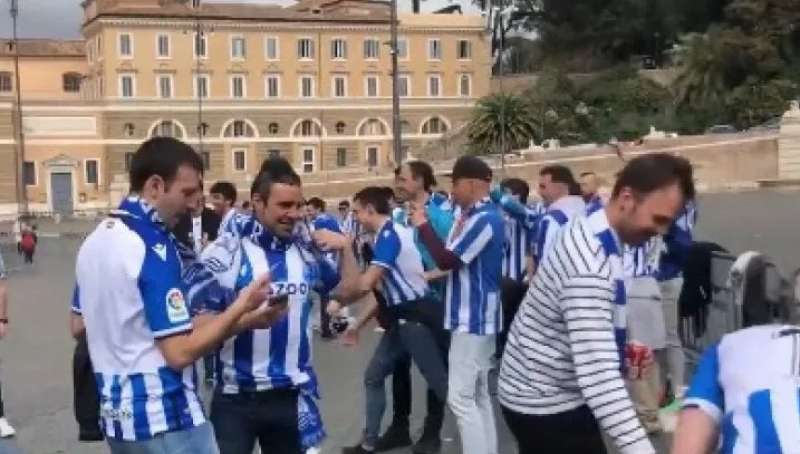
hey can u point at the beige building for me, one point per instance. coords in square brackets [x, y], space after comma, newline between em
[311, 82]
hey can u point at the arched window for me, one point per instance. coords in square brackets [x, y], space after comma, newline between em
[372, 127]
[167, 128]
[405, 126]
[239, 128]
[307, 128]
[434, 125]
[128, 130]
[340, 127]
[72, 82]
[273, 129]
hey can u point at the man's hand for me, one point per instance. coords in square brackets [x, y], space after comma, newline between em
[350, 337]
[255, 294]
[417, 215]
[334, 307]
[327, 240]
[267, 315]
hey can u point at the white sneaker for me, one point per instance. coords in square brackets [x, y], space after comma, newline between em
[5, 429]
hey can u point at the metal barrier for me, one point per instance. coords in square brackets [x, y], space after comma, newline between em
[734, 305]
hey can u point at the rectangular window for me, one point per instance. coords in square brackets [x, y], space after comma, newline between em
[372, 156]
[29, 173]
[273, 86]
[271, 48]
[165, 87]
[402, 49]
[308, 160]
[201, 86]
[239, 160]
[434, 49]
[238, 48]
[435, 85]
[162, 46]
[125, 45]
[100, 46]
[128, 160]
[306, 87]
[200, 45]
[465, 85]
[206, 160]
[305, 48]
[127, 86]
[341, 157]
[237, 87]
[371, 86]
[6, 86]
[372, 49]
[464, 49]
[90, 171]
[404, 85]
[339, 86]
[339, 49]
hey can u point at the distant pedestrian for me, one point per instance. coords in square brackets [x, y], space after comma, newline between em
[28, 242]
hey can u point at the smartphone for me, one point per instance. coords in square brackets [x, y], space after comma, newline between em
[275, 300]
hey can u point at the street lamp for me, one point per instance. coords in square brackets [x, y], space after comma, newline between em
[19, 164]
[396, 132]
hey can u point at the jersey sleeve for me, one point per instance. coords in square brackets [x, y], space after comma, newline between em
[387, 249]
[329, 276]
[161, 289]
[211, 281]
[476, 236]
[705, 391]
[76, 302]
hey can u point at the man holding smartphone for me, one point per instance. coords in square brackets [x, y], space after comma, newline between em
[266, 389]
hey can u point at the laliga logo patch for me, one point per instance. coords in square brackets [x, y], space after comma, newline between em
[176, 306]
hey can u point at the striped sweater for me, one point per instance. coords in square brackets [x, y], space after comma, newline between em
[561, 352]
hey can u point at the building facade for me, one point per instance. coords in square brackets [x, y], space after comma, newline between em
[311, 82]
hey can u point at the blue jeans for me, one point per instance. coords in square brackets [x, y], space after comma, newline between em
[406, 338]
[197, 440]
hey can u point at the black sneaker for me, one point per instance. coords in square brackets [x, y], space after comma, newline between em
[357, 449]
[394, 437]
[427, 444]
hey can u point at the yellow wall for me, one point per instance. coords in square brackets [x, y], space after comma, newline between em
[41, 77]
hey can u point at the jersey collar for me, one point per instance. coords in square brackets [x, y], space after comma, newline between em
[272, 242]
[480, 205]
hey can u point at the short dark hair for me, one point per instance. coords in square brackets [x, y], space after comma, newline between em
[161, 156]
[587, 174]
[317, 203]
[388, 192]
[562, 174]
[246, 204]
[655, 171]
[226, 189]
[374, 196]
[420, 170]
[274, 170]
[344, 204]
[517, 187]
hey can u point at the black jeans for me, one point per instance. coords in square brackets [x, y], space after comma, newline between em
[269, 417]
[574, 432]
[511, 295]
[86, 400]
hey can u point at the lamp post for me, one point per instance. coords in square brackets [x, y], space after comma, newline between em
[201, 88]
[19, 157]
[396, 132]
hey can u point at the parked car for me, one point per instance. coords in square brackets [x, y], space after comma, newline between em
[721, 129]
[773, 124]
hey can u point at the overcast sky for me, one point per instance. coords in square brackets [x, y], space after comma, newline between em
[62, 18]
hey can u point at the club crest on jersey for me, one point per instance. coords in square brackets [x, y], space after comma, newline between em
[161, 250]
[176, 306]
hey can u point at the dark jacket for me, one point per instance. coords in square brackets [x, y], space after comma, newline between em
[209, 225]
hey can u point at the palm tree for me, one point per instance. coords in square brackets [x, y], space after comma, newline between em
[500, 112]
[702, 77]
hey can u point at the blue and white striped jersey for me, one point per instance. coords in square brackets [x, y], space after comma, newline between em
[350, 225]
[595, 203]
[642, 260]
[396, 252]
[677, 243]
[224, 224]
[263, 359]
[558, 214]
[325, 221]
[473, 291]
[753, 396]
[516, 250]
[129, 293]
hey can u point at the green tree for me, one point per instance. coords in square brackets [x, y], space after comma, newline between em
[500, 112]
